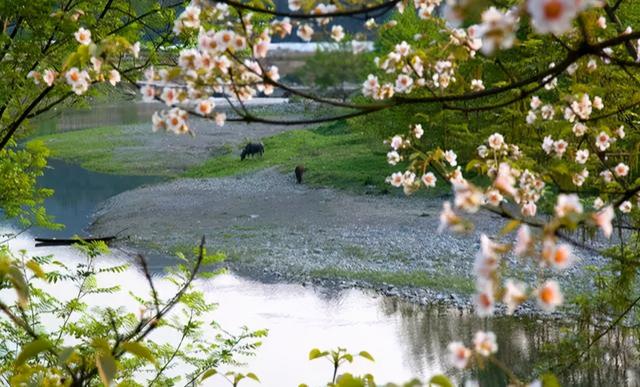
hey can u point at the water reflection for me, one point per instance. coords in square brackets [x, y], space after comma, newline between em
[78, 192]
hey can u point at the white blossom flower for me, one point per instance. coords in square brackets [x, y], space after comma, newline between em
[114, 77]
[603, 219]
[535, 102]
[552, 16]
[83, 36]
[49, 77]
[404, 83]
[549, 296]
[547, 112]
[485, 343]
[621, 170]
[429, 179]
[582, 156]
[337, 33]
[496, 141]
[531, 117]
[568, 204]
[579, 129]
[417, 130]
[620, 132]
[625, 207]
[451, 157]
[514, 295]
[602, 141]
[305, 32]
[220, 118]
[547, 144]
[477, 85]
[602, 22]
[393, 157]
[597, 103]
[458, 354]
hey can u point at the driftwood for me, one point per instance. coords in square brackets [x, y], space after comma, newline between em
[41, 242]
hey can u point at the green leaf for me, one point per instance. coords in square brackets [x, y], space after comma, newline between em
[36, 269]
[32, 349]
[208, 374]
[440, 381]
[510, 226]
[316, 353]
[139, 350]
[549, 380]
[253, 376]
[107, 367]
[366, 355]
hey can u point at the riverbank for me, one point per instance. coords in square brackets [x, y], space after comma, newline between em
[276, 230]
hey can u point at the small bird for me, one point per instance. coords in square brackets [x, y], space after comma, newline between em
[299, 172]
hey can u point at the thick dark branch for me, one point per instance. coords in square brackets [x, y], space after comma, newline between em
[387, 5]
[11, 128]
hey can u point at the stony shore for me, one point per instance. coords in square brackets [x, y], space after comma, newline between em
[276, 230]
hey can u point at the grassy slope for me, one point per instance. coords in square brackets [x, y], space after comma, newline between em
[92, 148]
[332, 155]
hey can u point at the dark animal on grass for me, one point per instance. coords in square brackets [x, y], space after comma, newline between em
[252, 149]
[299, 172]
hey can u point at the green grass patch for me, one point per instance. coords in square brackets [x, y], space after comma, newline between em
[417, 279]
[93, 149]
[333, 156]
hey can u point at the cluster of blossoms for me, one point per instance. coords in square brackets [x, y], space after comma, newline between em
[79, 79]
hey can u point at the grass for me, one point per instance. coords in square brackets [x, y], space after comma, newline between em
[334, 156]
[418, 279]
[93, 149]
[331, 155]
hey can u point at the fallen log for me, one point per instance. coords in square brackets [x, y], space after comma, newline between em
[41, 242]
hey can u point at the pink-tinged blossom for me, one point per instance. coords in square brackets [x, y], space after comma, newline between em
[451, 158]
[497, 30]
[396, 142]
[607, 176]
[169, 96]
[404, 83]
[535, 102]
[205, 107]
[603, 220]
[524, 241]
[582, 156]
[529, 209]
[393, 157]
[547, 144]
[547, 112]
[579, 129]
[514, 295]
[603, 141]
[549, 296]
[337, 33]
[49, 77]
[504, 180]
[602, 22]
[220, 118]
[449, 219]
[429, 179]
[417, 130]
[459, 355]
[598, 203]
[552, 16]
[567, 205]
[158, 122]
[396, 179]
[114, 77]
[494, 197]
[485, 343]
[597, 103]
[496, 141]
[305, 32]
[83, 36]
[484, 301]
[559, 147]
[625, 207]
[621, 170]
[148, 93]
